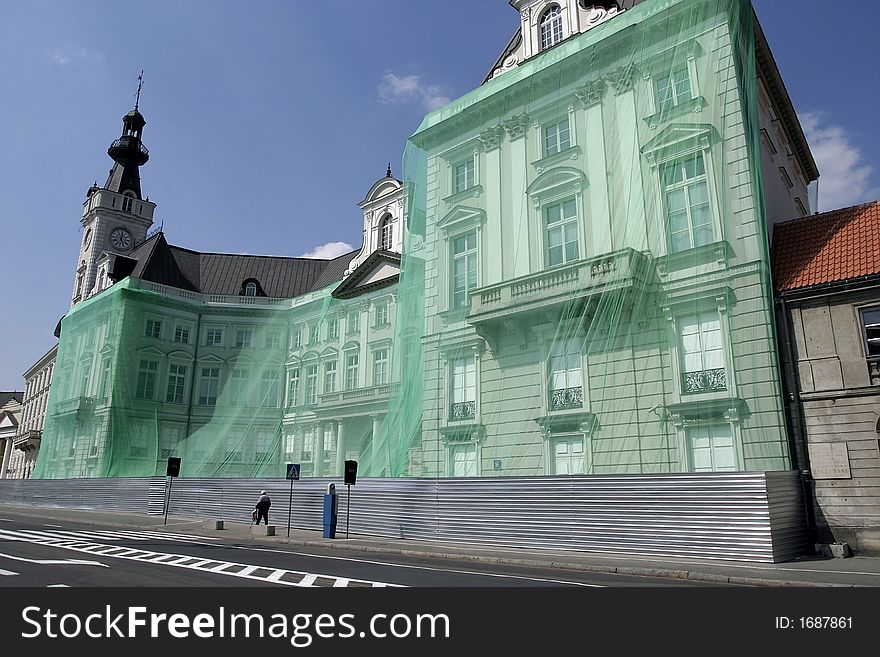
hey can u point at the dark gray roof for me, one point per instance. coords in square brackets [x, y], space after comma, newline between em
[6, 397]
[225, 273]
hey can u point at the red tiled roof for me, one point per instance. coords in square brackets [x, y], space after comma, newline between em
[828, 247]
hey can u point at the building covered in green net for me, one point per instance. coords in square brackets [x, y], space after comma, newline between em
[571, 278]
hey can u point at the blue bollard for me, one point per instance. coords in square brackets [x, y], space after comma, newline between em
[330, 506]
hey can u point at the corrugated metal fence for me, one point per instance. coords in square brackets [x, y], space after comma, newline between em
[750, 516]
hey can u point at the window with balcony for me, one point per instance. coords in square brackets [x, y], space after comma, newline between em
[146, 381]
[550, 27]
[871, 326]
[711, 448]
[330, 376]
[557, 137]
[565, 369]
[463, 390]
[244, 338]
[688, 211]
[673, 89]
[464, 268]
[702, 353]
[311, 384]
[464, 176]
[209, 384]
[176, 383]
[154, 328]
[561, 233]
[351, 371]
[380, 367]
[269, 389]
[292, 387]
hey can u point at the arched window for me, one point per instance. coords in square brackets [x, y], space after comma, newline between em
[387, 234]
[250, 289]
[551, 27]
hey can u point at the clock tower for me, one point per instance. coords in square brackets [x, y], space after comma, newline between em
[116, 217]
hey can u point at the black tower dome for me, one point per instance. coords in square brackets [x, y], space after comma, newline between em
[128, 153]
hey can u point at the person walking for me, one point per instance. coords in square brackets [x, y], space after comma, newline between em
[262, 507]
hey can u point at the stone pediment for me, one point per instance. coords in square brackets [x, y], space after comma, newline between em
[380, 269]
[679, 138]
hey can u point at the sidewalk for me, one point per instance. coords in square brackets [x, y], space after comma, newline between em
[807, 571]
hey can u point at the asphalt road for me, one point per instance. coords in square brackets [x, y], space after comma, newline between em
[40, 553]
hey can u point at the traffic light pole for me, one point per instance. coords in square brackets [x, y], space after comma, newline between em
[347, 508]
[289, 507]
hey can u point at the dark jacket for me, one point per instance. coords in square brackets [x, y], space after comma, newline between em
[264, 503]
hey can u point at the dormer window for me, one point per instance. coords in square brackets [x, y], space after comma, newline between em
[386, 234]
[250, 289]
[551, 27]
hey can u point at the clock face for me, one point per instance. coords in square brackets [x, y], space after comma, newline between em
[121, 239]
[87, 239]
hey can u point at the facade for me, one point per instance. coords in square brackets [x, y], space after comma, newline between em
[827, 279]
[10, 418]
[595, 248]
[28, 437]
[579, 284]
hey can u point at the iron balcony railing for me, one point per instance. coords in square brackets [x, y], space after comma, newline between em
[704, 381]
[463, 411]
[566, 398]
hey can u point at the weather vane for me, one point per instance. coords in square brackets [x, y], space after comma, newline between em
[140, 84]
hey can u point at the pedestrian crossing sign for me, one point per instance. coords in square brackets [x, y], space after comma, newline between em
[293, 471]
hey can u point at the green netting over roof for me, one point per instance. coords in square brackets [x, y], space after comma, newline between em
[584, 288]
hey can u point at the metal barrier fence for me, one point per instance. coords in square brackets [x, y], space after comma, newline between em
[749, 516]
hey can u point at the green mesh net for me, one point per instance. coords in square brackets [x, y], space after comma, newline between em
[584, 289]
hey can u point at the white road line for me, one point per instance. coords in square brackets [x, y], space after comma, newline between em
[7, 572]
[6, 520]
[341, 582]
[278, 574]
[55, 562]
[55, 526]
[57, 586]
[308, 580]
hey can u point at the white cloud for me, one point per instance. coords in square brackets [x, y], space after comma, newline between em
[396, 89]
[64, 55]
[845, 177]
[329, 250]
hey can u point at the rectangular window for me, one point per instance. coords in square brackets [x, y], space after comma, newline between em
[269, 389]
[381, 313]
[292, 387]
[464, 176]
[244, 338]
[351, 371]
[176, 383]
[711, 448]
[330, 376]
[354, 321]
[463, 460]
[296, 339]
[154, 328]
[333, 329]
[464, 390]
[214, 337]
[308, 444]
[557, 137]
[209, 385]
[238, 387]
[289, 447]
[234, 440]
[272, 340]
[311, 384]
[561, 232]
[170, 441]
[673, 89]
[146, 382]
[380, 367]
[314, 333]
[871, 325]
[181, 334]
[264, 446]
[568, 455]
[702, 353]
[464, 268]
[566, 375]
[688, 214]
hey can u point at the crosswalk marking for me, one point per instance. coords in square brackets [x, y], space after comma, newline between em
[106, 535]
[7, 572]
[228, 568]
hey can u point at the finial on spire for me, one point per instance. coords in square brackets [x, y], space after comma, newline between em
[388, 172]
[137, 99]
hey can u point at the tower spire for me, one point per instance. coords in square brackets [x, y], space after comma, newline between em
[137, 98]
[388, 172]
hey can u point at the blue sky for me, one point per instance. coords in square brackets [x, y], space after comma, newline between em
[268, 121]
